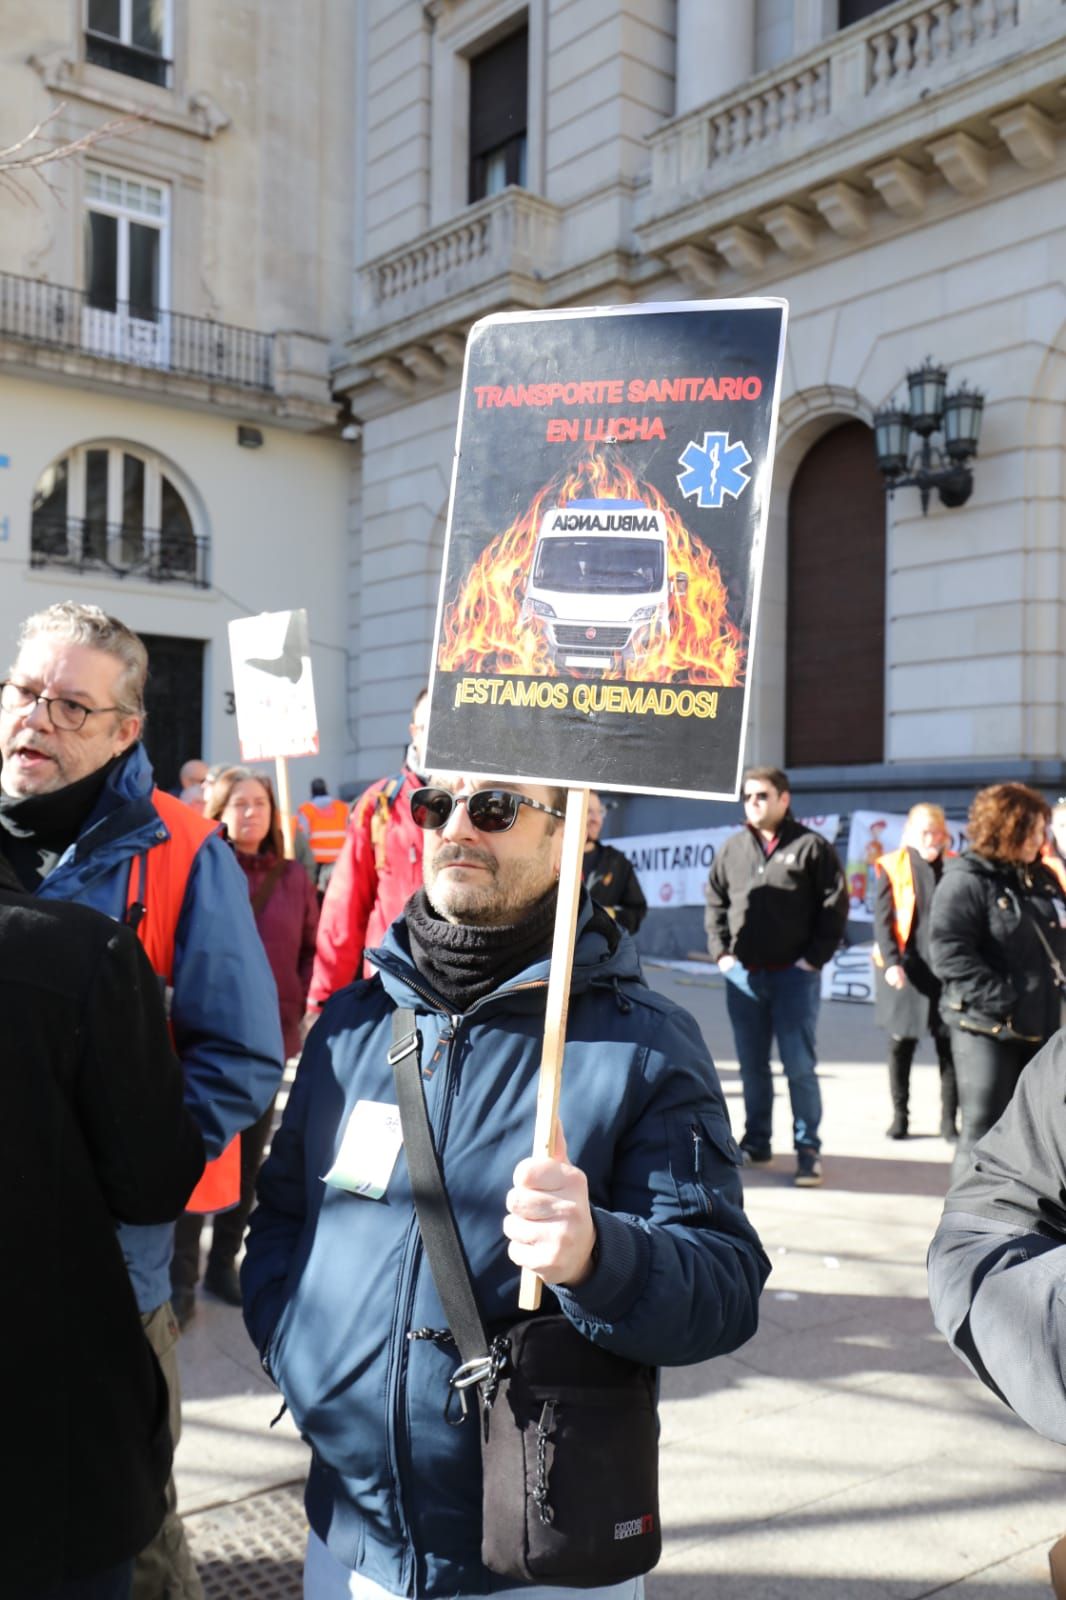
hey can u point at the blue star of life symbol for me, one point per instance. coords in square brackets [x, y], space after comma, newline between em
[713, 470]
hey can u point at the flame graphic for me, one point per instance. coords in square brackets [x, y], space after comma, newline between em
[482, 630]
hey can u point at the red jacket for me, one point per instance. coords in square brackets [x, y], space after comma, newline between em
[378, 870]
[286, 926]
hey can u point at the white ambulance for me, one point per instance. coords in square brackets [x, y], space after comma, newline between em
[599, 582]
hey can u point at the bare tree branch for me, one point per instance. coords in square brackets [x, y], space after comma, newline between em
[19, 157]
[20, 160]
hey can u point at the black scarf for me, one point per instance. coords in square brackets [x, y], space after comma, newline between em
[35, 829]
[463, 964]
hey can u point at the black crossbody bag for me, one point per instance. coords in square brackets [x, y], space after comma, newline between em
[569, 1431]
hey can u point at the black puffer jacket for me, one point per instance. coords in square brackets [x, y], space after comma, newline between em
[984, 945]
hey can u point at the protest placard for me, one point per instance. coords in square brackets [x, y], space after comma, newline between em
[274, 695]
[604, 548]
[599, 593]
[272, 685]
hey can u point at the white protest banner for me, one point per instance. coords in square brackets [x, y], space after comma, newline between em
[272, 686]
[874, 834]
[673, 867]
[849, 974]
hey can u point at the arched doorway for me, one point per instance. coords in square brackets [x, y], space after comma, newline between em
[835, 650]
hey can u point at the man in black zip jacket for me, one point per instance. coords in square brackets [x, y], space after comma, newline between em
[94, 1131]
[777, 904]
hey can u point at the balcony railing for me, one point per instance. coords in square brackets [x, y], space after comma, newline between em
[132, 59]
[84, 544]
[853, 81]
[514, 232]
[57, 318]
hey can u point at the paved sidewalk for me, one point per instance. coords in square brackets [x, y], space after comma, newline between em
[844, 1454]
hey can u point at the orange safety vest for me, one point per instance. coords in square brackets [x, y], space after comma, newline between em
[165, 869]
[896, 866]
[325, 829]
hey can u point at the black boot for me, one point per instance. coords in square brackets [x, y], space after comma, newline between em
[900, 1056]
[949, 1094]
[185, 1267]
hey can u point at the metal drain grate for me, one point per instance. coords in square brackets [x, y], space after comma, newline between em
[253, 1550]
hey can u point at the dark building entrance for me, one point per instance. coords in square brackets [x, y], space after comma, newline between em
[174, 697]
[835, 657]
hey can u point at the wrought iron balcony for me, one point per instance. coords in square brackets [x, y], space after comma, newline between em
[57, 318]
[87, 544]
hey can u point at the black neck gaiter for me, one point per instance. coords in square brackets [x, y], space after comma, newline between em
[35, 829]
[463, 964]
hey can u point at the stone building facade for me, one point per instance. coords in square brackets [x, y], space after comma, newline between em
[169, 439]
[898, 173]
[320, 200]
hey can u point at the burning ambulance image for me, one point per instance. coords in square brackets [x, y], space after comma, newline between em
[597, 576]
[600, 584]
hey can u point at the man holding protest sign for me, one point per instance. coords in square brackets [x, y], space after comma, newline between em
[636, 1223]
[777, 905]
[595, 620]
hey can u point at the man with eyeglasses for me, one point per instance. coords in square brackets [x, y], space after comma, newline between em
[777, 905]
[81, 820]
[635, 1224]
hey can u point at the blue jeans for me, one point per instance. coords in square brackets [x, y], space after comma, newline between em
[114, 1584]
[760, 1005]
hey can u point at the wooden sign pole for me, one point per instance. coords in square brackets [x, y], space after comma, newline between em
[281, 767]
[562, 965]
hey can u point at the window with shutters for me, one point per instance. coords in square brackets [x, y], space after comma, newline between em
[498, 110]
[835, 647]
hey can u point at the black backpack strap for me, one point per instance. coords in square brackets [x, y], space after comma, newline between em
[444, 1249]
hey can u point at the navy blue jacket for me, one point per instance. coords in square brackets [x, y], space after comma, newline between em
[334, 1282]
[224, 1006]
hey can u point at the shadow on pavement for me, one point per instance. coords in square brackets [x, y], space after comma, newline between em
[859, 1174]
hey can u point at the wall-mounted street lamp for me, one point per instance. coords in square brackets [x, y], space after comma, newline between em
[957, 417]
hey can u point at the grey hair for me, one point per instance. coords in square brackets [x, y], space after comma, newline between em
[88, 625]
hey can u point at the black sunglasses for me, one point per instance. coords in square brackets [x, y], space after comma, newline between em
[490, 810]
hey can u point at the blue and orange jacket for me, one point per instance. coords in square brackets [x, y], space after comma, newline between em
[223, 1005]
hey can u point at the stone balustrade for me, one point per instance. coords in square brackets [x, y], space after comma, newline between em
[513, 233]
[846, 81]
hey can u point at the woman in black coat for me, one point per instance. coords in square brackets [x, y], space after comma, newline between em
[908, 993]
[998, 930]
[94, 1130]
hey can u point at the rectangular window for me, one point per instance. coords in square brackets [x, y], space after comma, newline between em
[126, 267]
[498, 101]
[101, 265]
[94, 533]
[49, 524]
[132, 510]
[144, 272]
[858, 10]
[130, 36]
